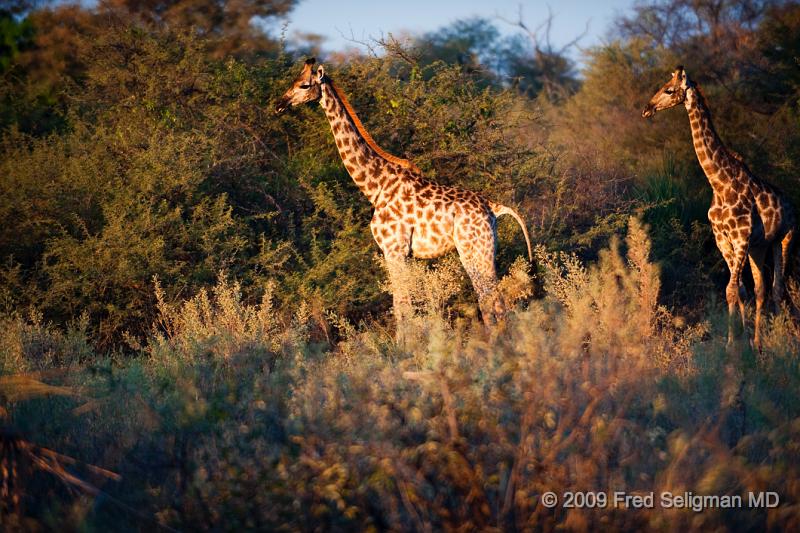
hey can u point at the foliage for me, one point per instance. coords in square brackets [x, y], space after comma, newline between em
[170, 167]
[233, 418]
[229, 27]
[194, 325]
[15, 35]
[130, 151]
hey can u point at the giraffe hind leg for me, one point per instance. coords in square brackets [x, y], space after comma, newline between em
[475, 238]
[482, 273]
[780, 255]
[485, 286]
[757, 267]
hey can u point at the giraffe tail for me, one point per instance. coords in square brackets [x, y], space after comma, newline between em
[500, 209]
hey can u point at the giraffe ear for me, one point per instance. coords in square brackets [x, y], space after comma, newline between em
[320, 73]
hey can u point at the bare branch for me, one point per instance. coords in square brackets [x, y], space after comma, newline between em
[394, 47]
[574, 42]
[543, 32]
[369, 46]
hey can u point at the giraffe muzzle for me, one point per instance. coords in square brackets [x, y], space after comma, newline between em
[281, 106]
[648, 111]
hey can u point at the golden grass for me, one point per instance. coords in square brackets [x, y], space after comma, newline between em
[594, 387]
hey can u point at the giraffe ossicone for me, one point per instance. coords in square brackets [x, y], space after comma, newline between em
[748, 216]
[413, 216]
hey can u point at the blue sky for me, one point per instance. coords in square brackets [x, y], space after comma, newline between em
[337, 20]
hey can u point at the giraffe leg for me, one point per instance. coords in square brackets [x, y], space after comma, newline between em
[477, 257]
[396, 250]
[780, 254]
[757, 266]
[394, 240]
[485, 286]
[401, 298]
[734, 292]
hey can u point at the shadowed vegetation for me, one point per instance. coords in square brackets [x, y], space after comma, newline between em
[194, 318]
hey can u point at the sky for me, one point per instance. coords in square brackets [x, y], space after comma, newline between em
[341, 20]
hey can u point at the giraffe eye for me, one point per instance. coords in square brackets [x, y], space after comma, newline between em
[669, 91]
[305, 86]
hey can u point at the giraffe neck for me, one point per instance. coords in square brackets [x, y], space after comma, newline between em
[364, 160]
[711, 152]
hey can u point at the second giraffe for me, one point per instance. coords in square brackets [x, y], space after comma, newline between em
[413, 216]
[748, 216]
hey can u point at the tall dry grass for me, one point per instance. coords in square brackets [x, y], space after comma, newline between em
[30, 343]
[218, 324]
[235, 418]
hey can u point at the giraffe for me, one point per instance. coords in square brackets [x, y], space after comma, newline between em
[748, 216]
[412, 216]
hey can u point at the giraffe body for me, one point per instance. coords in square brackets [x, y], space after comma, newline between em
[413, 216]
[748, 216]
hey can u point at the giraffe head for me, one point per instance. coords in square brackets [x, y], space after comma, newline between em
[305, 88]
[671, 94]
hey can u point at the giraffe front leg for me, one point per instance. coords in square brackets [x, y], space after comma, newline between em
[735, 292]
[401, 298]
[395, 243]
[757, 266]
[397, 270]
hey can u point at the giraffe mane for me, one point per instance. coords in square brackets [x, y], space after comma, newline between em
[366, 136]
[731, 152]
[703, 99]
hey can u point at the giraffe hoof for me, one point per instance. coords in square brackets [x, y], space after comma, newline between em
[733, 346]
[755, 345]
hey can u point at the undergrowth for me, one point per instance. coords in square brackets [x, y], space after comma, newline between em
[232, 416]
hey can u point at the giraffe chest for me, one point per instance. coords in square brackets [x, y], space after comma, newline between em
[735, 221]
